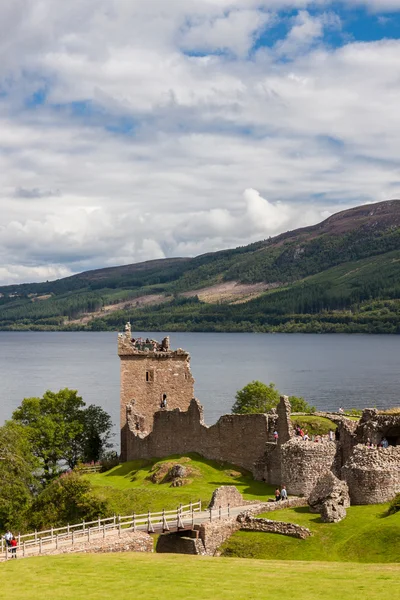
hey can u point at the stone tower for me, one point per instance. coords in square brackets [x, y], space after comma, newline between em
[153, 378]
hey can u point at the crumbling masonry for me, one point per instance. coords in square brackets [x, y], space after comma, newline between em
[160, 417]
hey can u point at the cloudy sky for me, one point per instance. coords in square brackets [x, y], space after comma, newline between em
[138, 129]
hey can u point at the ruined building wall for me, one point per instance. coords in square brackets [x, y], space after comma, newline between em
[373, 474]
[145, 377]
[238, 439]
[303, 463]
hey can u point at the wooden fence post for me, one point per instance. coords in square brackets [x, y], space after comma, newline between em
[40, 545]
[104, 530]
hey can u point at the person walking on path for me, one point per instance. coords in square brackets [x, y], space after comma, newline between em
[13, 545]
[276, 436]
[283, 493]
[8, 537]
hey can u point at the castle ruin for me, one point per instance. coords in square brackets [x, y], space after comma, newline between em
[153, 378]
[152, 428]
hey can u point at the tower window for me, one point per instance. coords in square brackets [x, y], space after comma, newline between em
[150, 376]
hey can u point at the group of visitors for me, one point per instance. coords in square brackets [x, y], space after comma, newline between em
[303, 433]
[11, 543]
[382, 444]
[281, 494]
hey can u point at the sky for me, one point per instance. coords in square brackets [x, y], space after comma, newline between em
[133, 130]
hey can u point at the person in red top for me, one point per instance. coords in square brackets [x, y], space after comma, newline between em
[13, 547]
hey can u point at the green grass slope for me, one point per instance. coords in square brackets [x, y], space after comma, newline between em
[128, 488]
[175, 577]
[366, 535]
[324, 279]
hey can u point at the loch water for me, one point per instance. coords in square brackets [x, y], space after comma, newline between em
[353, 371]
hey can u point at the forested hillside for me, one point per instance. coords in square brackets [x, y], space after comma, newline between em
[340, 275]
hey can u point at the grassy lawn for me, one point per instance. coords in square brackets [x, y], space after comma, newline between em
[176, 577]
[315, 425]
[366, 535]
[127, 488]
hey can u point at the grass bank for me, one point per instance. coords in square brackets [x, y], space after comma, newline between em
[129, 487]
[313, 424]
[175, 577]
[366, 535]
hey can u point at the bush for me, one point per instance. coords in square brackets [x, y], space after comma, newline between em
[300, 405]
[69, 499]
[109, 461]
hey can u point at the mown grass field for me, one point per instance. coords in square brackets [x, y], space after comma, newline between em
[127, 488]
[366, 535]
[176, 577]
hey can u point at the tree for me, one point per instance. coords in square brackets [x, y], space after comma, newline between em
[17, 467]
[256, 397]
[68, 499]
[60, 429]
[298, 404]
[96, 436]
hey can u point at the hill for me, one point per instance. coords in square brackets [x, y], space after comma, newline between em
[339, 275]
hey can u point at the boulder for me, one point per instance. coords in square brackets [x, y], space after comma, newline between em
[330, 498]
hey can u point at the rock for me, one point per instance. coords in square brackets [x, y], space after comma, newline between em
[330, 498]
[177, 472]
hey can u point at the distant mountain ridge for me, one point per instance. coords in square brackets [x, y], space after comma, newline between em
[337, 265]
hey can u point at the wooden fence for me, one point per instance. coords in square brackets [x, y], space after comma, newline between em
[35, 543]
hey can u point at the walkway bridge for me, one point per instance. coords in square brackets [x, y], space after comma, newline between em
[183, 518]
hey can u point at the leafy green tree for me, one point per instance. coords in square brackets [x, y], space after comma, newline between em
[17, 467]
[60, 429]
[97, 435]
[68, 499]
[298, 404]
[256, 397]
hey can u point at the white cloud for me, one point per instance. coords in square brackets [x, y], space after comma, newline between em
[135, 150]
[306, 30]
[234, 31]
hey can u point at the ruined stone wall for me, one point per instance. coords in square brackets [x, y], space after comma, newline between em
[226, 495]
[303, 463]
[373, 475]
[374, 425]
[214, 534]
[128, 541]
[145, 377]
[249, 523]
[238, 439]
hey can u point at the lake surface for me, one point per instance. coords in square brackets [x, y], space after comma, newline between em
[328, 370]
